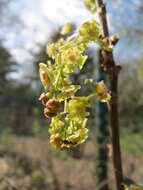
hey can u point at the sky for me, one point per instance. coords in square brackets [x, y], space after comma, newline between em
[40, 18]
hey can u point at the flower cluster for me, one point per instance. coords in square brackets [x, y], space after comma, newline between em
[69, 130]
[67, 111]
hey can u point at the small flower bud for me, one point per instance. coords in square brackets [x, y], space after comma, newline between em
[66, 29]
[53, 105]
[52, 108]
[45, 79]
[102, 92]
[48, 113]
[44, 98]
[45, 76]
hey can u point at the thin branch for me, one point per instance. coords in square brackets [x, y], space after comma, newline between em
[112, 70]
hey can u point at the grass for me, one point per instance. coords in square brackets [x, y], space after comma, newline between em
[132, 143]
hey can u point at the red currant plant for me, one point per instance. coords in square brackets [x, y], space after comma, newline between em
[67, 111]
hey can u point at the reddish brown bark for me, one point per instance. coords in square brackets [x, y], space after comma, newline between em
[112, 70]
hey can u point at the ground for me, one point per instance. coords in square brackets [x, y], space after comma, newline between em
[30, 163]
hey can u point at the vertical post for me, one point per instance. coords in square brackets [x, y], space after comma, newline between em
[111, 70]
[102, 133]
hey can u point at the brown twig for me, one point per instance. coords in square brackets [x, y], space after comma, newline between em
[112, 70]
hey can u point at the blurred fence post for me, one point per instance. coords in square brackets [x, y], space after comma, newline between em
[101, 131]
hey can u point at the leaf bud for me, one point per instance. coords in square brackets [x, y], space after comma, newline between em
[114, 39]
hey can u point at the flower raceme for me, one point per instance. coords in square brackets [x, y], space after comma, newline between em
[67, 111]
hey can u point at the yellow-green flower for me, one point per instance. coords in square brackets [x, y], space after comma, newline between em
[102, 92]
[53, 48]
[72, 59]
[90, 5]
[77, 107]
[57, 126]
[66, 29]
[89, 31]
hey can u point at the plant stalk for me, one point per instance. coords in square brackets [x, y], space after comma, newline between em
[112, 71]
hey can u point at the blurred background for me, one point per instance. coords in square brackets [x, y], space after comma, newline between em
[27, 161]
